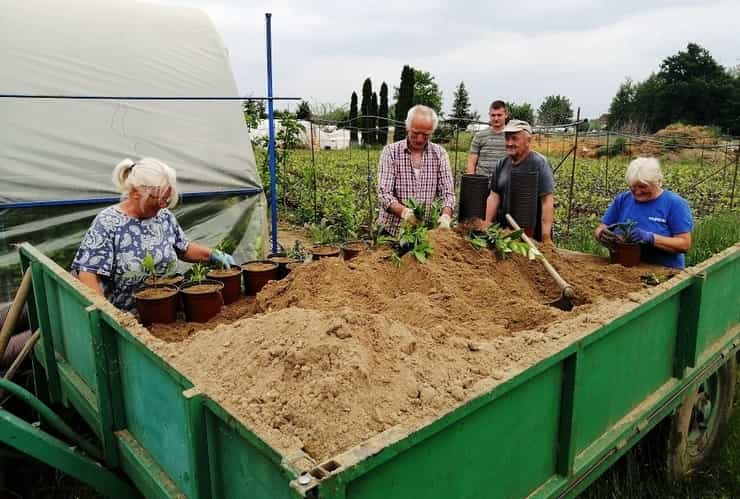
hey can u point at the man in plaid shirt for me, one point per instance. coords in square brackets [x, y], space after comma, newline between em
[414, 168]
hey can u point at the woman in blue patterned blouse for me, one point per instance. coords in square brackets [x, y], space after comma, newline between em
[122, 235]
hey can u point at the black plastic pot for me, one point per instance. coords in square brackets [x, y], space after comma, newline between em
[473, 195]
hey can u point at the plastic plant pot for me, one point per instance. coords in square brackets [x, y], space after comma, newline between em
[202, 300]
[157, 304]
[231, 278]
[257, 273]
[351, 249]
[283, 262]
[324, 251]
[474, 190]
[626, 254]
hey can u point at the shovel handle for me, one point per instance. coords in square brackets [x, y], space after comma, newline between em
[566, 288]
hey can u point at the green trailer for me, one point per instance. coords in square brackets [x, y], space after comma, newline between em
[547, 432]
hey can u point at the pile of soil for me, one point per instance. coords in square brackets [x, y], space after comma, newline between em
[340, 351]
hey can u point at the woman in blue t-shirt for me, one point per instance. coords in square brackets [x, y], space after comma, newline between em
[121, 235]
[663, 218]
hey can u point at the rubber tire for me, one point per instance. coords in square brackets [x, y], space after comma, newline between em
[680, 462]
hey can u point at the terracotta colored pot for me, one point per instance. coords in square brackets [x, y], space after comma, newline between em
[157, 304]
[257, 273]
[202, 300]
[351, 249]
[627, 254]
[283, 262]
[324, 251]
[232, 281]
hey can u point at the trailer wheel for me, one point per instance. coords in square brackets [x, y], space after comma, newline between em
[700, 420]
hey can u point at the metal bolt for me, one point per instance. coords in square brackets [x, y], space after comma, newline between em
[304, 479]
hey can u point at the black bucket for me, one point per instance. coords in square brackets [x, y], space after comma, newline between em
[523, 199]
[473, 195]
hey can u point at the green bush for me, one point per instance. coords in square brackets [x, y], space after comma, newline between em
[713, 234]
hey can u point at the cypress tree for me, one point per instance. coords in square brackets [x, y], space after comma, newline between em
[353, 123]
[383, 113]
[405, 101]
[367, 90]
[373, 120]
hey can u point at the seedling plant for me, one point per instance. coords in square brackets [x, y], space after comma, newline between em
[503, 242]
[149, 270]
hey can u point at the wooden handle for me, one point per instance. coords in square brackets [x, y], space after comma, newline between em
[566, 288]
[16, 308]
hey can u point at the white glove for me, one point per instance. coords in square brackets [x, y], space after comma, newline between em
[444, 221]
[407, 215]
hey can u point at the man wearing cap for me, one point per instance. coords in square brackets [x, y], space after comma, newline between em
[520, 166]
[488, 146]
[414, 168]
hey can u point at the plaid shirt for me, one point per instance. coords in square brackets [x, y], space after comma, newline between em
[396, 181]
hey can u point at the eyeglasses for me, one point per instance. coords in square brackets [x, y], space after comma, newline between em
[420, 134]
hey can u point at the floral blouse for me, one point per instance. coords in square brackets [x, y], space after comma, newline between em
[116, 243]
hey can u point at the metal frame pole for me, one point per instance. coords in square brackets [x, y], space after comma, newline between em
[606, 170]
[271, 135]
[573, 173]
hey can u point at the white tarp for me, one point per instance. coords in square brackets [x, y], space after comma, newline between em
[66, 149]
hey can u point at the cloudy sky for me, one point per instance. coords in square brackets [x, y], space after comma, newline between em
[515, 51]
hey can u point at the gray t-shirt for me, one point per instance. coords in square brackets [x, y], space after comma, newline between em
[490, 147]
[500, 184]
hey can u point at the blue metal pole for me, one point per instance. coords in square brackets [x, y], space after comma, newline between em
[271, 143]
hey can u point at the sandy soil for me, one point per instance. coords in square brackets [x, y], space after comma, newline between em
[340, 351]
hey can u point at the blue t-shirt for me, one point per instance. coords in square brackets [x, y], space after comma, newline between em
[667, 215]
[116, 243]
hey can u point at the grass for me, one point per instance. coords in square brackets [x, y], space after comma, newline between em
[640, 474]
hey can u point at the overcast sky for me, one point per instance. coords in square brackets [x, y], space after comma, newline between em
[515, 51]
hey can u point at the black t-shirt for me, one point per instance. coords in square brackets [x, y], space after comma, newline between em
[533, 178]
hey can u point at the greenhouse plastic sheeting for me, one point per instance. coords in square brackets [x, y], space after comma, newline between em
[57, 231]
[61, 150]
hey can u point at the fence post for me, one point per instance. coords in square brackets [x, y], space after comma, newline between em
[606, 170]
[369, 198]
[313, 161]
[573, 173]
[734, 177]
[457, 136]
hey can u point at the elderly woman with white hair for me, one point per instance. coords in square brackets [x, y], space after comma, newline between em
[121, 235]
[663, 218]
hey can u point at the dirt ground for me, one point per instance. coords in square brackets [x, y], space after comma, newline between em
[340, 351]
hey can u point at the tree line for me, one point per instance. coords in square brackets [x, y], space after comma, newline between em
[690, 87]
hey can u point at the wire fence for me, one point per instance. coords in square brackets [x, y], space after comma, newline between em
[337, 186]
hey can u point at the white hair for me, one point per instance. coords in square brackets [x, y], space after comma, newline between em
[644, 171]
[146, 175]
[420, 109]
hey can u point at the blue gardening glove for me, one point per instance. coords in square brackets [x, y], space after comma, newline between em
[221, 258]
[642, 236]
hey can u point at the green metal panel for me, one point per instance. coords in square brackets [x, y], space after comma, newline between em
[488, 453]
[720, 304]
[69, 326]
[155, 410]
[241, 465]
[34, 442]
[623, 367]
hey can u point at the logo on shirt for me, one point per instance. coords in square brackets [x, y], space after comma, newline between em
[657, 219]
